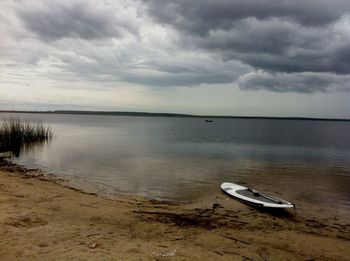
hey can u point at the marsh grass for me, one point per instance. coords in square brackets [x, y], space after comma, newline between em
[16, 132]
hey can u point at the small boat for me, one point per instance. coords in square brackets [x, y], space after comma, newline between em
[209, 121]
[254, 197]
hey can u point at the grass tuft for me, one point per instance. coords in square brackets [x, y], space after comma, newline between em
[16, 132]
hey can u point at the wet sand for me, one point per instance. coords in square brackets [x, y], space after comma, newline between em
[42, 219]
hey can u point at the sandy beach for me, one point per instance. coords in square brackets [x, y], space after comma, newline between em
[42, 219]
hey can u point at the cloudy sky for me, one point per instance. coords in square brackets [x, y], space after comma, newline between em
[228, 57]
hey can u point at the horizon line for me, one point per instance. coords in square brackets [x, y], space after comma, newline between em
[167, 114]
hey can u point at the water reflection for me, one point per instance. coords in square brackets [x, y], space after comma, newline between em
[180, 158]
[25, 148]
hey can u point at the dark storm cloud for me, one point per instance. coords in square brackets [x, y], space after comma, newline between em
[76, 20]
[277, 36]
[276, 45]
[200, 17]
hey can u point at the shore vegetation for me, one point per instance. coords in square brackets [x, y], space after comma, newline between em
[16, 132]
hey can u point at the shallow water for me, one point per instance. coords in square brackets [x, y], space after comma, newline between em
[187, 158]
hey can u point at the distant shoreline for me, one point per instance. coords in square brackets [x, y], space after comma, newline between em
[177, 115]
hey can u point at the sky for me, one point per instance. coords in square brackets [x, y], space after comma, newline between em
[208, 57]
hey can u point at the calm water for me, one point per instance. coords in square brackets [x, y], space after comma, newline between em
[185, 158]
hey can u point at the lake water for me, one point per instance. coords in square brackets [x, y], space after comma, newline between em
[187, 158]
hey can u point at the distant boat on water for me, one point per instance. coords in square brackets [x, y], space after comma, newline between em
[209, 121]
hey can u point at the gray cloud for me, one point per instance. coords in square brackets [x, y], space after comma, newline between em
[200, 17]
[172, 72]
[281, 46]
[305, 43]
[165, 43]
[295, 82]
[152, 70]
[274, 35]
[78, 19]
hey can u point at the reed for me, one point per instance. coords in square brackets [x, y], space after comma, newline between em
[15, 132]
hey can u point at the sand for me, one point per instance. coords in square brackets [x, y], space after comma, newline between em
[42, 219]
